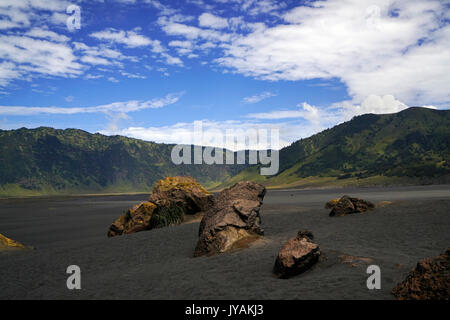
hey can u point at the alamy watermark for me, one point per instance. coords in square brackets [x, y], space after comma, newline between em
[73, 22]
[261, 145]
[74, 280]
[374, 280]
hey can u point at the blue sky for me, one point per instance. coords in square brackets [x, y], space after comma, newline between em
[149, 69]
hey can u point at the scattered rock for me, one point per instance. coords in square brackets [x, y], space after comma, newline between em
[186, 192]
[429, 280]
[9, 244]
[384, 204]
[355, 261]
[347, 205]
[296, 256]
[233, 218]
[171, 200]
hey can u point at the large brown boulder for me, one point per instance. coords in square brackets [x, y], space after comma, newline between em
[9, 244]
[296, 256]
[429, 280]
[186, 192]
[234, 219]
[348, 205]
[171, 200]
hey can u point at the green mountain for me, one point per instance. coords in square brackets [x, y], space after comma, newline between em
[48, 161]
[412, 146]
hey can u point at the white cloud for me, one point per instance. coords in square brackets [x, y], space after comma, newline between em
[129, 38]
[343, 39]
[27, 56]
[112, 79]
[92, 76]
[214, 133]
[337, 112]
[181, 44]
[259, 97]
[256, 7]
[132, 75]
[21, 13]
[372, 104]
[46, 34]
[116, 107]
[316, 117]
[8, 71]
[211, 21]
[175, 28]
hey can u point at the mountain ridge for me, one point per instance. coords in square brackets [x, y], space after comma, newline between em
[411, 146]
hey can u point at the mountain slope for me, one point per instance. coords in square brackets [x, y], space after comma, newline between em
[412, 145]
[49, 161]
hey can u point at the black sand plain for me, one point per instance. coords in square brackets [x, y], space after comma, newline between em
[159, 264]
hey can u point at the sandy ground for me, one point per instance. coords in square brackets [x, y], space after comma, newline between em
[158, 264]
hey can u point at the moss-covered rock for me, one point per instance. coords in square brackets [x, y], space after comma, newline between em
[133, 220]
[186, 192]
[171, 200]
[330, 204]
[9, 244]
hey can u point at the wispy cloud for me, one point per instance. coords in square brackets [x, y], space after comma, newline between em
[259, 97]
[116, 107]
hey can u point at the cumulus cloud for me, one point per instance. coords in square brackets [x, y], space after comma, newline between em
[211, 21]
[372, 104]
[375, 47]
[214, 134]
[25, 55]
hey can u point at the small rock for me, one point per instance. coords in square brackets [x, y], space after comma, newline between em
[347, 205]
[296, 256]
[355, 261]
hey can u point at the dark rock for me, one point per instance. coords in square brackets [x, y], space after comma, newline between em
[233, 218]
[348, 205]
[296, 256]
[429, 280]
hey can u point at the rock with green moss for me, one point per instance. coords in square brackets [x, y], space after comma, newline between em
[171, 200]
[9, 244]
[186, 192]
[133, 220]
